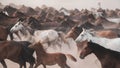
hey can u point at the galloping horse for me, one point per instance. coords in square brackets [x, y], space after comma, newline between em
[5, 31]
[112, 44]
[45, 58]
[106, 23]
[6, 20]
[44, 36]
[108, 58]
[76, 30]
[16, 51]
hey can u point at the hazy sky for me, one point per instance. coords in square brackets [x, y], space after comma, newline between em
[69, 4]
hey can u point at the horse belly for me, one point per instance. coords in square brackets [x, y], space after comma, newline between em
[49, 60]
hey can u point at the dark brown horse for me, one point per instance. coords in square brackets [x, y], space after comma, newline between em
[5, 31]
[108, 58]
[17, 52]
[10, 10]
[6, 20]
[45, 58]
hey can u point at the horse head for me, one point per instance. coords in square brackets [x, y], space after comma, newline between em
[86, 51]
[74, 32]
[85, 35]
[18, 26]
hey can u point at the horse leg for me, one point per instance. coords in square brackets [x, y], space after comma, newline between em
[11, 36]
[20, 65]
[66, 66]
[63, 65]
[36, 65]
[3, 63]
[31, 65]
[31, 61]
[24, 64]
[44, 65]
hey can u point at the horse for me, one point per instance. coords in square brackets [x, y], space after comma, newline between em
[112, 44]
[16, 51]
[19, 14]
[107, 34]
[108, 58]
[106, 23]
[45, 36]
[10, 10]
[5, 31]
[45, 58]
[6, 20]
[76, 30]
[66, 22]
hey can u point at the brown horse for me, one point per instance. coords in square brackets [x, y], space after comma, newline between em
[107, 33]
[45, 58]
[5, 31]
[108, 58]
[106, 23]
[74, 32]
[17, 52]
[6, 20]
[19, 14]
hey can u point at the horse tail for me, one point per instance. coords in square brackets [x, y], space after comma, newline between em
[71, 57]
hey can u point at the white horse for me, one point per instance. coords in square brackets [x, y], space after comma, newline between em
[43, 36]
[113, 44]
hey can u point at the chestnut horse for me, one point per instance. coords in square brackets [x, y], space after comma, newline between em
[16, 51]
[108, 58]
[45, 58]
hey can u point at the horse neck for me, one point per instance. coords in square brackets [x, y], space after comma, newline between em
[8, 28]
[100, 52]
[40, 50]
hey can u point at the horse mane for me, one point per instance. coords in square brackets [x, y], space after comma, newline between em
[95, 46]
